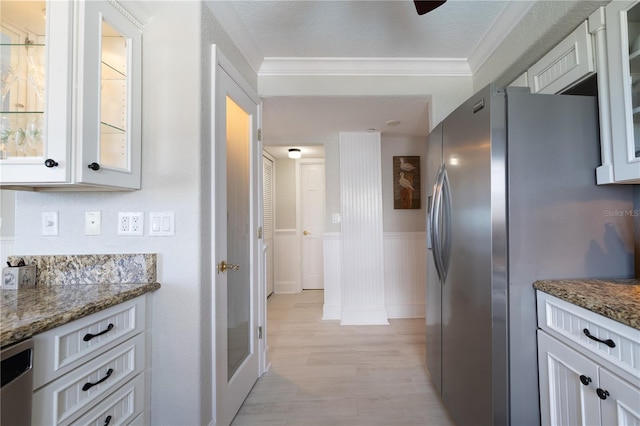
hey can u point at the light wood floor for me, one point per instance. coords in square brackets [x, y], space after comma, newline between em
[326, 374]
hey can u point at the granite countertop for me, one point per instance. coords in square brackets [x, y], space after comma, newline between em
[69, 287]
[29, 311]
[618, 300]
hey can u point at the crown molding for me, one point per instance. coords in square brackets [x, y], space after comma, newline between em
[498, 32]
[364, 66]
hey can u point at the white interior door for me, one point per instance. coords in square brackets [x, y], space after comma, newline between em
[235, 253]
[312, 212]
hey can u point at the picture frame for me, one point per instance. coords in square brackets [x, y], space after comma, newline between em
[406, 182]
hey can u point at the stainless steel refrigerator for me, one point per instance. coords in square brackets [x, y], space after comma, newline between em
[512, 200]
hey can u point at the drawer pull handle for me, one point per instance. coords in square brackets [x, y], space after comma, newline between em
[585, 380]
[89, 385]
[607, 342]
[107, 421]
[602, 394]
[90, 336]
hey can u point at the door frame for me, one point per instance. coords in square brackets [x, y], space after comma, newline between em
[298, 168]
[218, 59]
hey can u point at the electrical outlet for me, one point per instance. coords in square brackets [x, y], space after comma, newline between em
[131, 223]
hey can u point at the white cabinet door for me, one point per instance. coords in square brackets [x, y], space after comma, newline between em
[621, 405]
[109, 112]
[568, 63]
[623, 52]
[567, 385]
[36, 65]
[70, 113]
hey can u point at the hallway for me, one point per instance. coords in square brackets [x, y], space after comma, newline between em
[330, 375]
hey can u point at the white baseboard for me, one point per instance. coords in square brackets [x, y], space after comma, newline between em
[285, 287]
[406, 311]
[364, 317]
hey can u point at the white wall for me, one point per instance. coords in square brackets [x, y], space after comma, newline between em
[175, 176]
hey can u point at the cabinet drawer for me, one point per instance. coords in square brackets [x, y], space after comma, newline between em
[66, 398]
[61, 349]
[568, 322]
[119, 408]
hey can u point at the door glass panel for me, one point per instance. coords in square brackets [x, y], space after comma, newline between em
[633, 25]
[22, 68]
[114, 152]
[238, 243]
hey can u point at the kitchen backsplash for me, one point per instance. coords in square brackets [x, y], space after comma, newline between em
[92, 268]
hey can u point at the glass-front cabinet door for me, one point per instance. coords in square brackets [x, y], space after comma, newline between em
[70, 112]
[110, 127]
[623, 50]
[36, 104]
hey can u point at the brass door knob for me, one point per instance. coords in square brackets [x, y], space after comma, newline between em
[306, 233]
[223, 266]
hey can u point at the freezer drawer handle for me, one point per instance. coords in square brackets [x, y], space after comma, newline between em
[90, 336]
[89, 385]
[585, 380]
[607, 342]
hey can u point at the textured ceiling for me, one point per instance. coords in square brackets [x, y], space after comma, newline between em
[379, 29]
[460, 31]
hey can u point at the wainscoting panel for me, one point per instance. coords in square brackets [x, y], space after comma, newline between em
[405, 274]
[287, 261]
[332, 277]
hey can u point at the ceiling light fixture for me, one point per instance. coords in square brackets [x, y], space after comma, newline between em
[392, 122]
[294, 153]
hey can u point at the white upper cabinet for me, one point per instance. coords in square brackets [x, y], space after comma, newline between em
[623, 58]
[566, 64]
[70, 113]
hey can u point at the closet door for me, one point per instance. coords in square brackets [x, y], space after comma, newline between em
[267, 198]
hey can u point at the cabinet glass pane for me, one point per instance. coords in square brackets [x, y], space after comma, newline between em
[22, 69]
[633, 25]
[114, 149]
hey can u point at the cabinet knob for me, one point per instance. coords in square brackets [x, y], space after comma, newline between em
[602, 394]
[585, 380]
[94, 166]
[50, 163]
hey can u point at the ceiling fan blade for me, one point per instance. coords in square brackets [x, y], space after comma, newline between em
[423, 6]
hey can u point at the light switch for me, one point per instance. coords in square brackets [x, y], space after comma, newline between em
[49, 223]
[335, 218]
[161, 224]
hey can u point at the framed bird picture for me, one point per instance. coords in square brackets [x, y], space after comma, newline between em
[406, 182]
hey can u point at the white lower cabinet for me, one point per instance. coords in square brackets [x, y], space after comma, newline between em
[579, 385]
[104, 382]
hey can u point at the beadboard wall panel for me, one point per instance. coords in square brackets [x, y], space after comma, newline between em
[405, 274]
[362, 278]
[332, 307]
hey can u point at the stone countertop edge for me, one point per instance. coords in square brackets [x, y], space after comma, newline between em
[618, 300]
[27, 312]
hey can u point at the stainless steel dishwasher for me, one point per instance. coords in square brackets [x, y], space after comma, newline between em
[16, 390]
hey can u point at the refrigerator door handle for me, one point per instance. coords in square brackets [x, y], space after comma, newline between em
[446, 219]
[435, 224]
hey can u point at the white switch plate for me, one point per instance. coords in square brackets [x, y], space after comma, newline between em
[92, 223]
[335, 218]
[131, 223]
[161, 224]
[49, 223]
